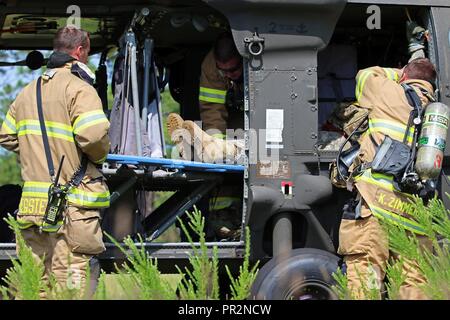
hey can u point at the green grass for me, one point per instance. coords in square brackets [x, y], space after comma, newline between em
[139, 278]
[168, 106]
[115, 291]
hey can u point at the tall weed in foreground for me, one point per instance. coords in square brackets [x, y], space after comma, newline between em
[139, 278]
[433, 263]
[201, 281]
[101, 293]
[241, 286]
[23, 280]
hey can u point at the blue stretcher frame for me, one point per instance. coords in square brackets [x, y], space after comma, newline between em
[175, 164]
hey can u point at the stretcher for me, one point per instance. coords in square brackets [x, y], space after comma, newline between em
[174, 164]
[191, 181]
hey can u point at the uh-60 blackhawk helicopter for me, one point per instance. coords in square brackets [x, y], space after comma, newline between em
[300, 59]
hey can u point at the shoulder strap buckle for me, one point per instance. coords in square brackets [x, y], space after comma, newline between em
[49, 73]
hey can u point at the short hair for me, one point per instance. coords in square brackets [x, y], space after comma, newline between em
[421, 69]
[69, 38]
[224, 48]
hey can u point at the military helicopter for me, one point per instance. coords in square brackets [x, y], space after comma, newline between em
[300, 59]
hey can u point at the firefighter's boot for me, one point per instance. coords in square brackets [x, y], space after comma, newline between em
[174, 122]
[208, 148]
[179, 136]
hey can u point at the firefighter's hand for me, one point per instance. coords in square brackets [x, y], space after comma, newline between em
[416, 36]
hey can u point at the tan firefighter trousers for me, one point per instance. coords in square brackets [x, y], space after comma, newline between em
[67, 252]
[364, 245]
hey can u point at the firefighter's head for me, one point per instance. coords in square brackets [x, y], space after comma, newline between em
[228, 59]
[73, 41]
[421, 69]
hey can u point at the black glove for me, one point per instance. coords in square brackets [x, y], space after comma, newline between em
[416, 36]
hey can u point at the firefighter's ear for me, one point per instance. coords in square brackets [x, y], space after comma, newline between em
[76, 52]
[80, 53]
[404, 76]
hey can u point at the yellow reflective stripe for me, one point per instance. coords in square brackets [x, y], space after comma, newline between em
[218, 92]
[394, 129]
[212, 100]
[83, 198]
[50, 134]
[101, 160]
[212, 95]
[88, 119]
[90, 124]
[51, 228]
[23, 224]
[388, 73]
[35, 189]
[54, 129]
[89, 199]
[220, 203]
[391, 74]
[34, 194]
[396, 78]
[52, 124]
[361, 81]
[9, 124]
[37, 184]
[219, 135]
[378, 182]
[381, 177]
[394, 75]
[381, 180]
[10, 119]
[397, 220]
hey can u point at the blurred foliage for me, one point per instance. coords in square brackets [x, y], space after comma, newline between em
[9, 169]
[433, 264]
[168, 106]
[12, 80]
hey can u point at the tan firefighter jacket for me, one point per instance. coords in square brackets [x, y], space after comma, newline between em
[75, 124]
[378, 90]
[212, 98]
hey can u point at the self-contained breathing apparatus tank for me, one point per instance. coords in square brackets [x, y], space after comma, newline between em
[432, 141]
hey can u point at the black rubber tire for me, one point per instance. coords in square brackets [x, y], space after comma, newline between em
[304, 274]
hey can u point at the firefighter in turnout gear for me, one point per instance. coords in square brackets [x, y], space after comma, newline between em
[363, 242]
[221, 94]
[221, 101]
[77, 129]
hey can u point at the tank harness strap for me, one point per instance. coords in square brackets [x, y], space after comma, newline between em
[416, 113]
